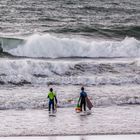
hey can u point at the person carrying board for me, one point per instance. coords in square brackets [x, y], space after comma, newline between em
[84, 101]
[52, 100]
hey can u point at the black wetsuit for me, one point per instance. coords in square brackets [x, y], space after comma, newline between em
[83, 96]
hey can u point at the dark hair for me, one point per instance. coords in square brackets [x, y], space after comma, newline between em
[51, 89]
[82, 88]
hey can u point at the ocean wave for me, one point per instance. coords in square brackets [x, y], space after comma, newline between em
[8, 43]
[48, 46]
[101, 31]
[122, 100]
[64, 72]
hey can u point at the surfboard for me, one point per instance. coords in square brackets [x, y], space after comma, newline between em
[89, 104]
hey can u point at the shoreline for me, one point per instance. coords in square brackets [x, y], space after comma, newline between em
[72, 135]
[80, 137]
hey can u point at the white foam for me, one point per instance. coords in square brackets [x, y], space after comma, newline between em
[68, 72]
[53, 47]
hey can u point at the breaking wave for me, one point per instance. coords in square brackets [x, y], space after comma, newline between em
[64, 72]
[48, 46]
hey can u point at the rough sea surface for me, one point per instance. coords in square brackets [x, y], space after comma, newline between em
[67, 44]
[117, 18]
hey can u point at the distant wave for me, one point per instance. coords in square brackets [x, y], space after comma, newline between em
[102, 32]
[49, 46]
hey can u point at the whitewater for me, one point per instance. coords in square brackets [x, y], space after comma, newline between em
[24, 111]
[65, 45]
[108, 69]
[49, 46]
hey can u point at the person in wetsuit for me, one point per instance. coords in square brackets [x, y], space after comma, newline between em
[52, 98]
[82, 99]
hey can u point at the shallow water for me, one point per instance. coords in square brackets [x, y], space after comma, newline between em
[109, 120]
[35, 97]
[25, 111]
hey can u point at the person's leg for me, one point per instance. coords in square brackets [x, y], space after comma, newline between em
[81, 105]
[49, 105]
[53, 106]
[84, 105]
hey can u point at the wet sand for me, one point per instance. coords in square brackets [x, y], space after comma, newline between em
[99, 137]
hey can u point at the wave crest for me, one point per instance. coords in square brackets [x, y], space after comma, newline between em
[49, 46]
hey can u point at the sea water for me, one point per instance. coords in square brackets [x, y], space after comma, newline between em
[65, 45]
